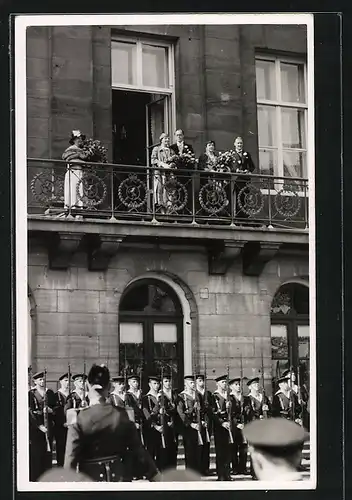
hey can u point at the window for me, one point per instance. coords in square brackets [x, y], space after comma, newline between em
[151, 333]
[290, 331]
[143, 98]
[142, 64]
[281, 111]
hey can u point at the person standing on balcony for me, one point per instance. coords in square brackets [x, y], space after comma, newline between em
[243, 164]
[162, 158]
[184, 150]
[73, 188]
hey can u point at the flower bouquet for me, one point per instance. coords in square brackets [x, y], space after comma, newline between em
[186, 160]
[95, 151]
[226, 161]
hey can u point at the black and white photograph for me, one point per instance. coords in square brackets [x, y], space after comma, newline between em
[165, 252]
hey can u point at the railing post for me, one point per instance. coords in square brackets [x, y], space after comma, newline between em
[270, 226]
[232, 200]
[306, 203]
[112, 218]
[154, 221]
[194, 222]
[69, 173]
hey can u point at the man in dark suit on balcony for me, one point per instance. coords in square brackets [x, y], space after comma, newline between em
[243, 164]
[180, 147]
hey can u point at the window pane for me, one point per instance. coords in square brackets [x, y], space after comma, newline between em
[279, 347]
[165, 350]
[267, 126]
[294, 164]
[267, 161]
[165, 332]
[154, 66]
[156, 119]
[303, 341]
[123, 59]
[292, 83]
[293, 130]
[265, 79]
[131, 333]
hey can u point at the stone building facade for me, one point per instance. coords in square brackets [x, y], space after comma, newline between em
[224, 279]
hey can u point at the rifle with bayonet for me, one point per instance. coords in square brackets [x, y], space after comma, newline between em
[229, 405]
[197, 406]
[206, 402]
[162, 407]
[264, 405]
[84, 400]
[46, 414]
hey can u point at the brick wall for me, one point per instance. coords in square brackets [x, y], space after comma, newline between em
[77, 310]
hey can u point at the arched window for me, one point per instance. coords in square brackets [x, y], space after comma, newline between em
[150, 331]
[290, 331]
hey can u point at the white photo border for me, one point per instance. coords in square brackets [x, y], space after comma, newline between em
[22, 22]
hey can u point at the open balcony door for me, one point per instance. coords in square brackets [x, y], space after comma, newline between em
[157, 122]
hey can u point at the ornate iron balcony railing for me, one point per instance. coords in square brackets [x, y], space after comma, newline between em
[115, 192]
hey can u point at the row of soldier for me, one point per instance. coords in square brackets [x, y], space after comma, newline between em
[161, 416]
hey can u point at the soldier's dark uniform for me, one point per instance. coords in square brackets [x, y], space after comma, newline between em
[206, 400]
[286, 405]
[99, 442]
[133, 407]
[152, 418]
[240, 414]
[257, 402]
[187, 408]
[221, 435]
[60, 426]
[134, 402]
[169, 453]
[40, 458]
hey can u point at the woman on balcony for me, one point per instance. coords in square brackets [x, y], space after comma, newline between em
[163, 158]
[216, 196]
[73, 188]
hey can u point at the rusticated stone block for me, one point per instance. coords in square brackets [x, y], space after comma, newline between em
[46, 300]
[78, 301]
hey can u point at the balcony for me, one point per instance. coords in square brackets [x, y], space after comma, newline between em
[109, 205]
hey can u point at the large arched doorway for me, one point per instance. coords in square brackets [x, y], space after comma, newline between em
[290, 331]
[151, 330]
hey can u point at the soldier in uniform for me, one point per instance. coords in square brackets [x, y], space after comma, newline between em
[118, 395]
[285, 402]
[78, 399]
[60, 427]
[193, 428]
[301, 393]
[259, 406]
[275, 445]
[98, 442]
[40, 436]
[134, 401]
[207, 404]
[168, 399]
[153, 429]
[259, 403]
[240, 415]
[222, 429]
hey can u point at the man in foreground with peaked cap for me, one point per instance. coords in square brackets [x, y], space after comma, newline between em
[103, 435]
[275, 445]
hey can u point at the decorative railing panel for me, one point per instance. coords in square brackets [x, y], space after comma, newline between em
[118, 192]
